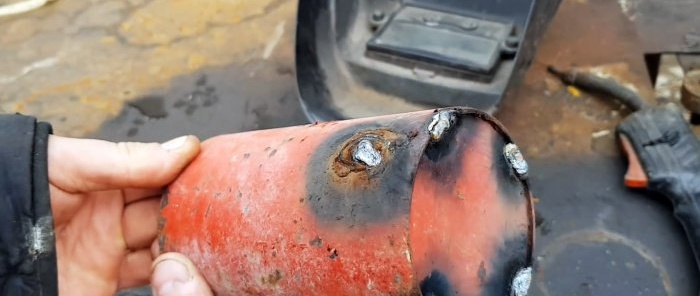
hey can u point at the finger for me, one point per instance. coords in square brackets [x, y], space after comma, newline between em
[79, 165]
[135, 194]
[135, 269]
[155, 249]
[140, 223]
[175, 275]
[64, 206]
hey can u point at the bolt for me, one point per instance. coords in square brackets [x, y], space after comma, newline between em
[442, 121]
[515, 159]
[512, 41]
[377, 19]
[521, 282]
[378, 16]
[365, 153]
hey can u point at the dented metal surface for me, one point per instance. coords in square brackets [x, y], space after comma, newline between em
[361, 207]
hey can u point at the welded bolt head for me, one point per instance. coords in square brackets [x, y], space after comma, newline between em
[442, 121]
[365, 153]
[515, 160]
[521, 282]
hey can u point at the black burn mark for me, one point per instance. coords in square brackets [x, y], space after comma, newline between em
[162, 221]
[355, 199]
[333, 253]
[444, 157]
[512, 256]
[437, 284]
[513, 190]
[164, 198]
[316, 242]
[510, 187]
[481, 273]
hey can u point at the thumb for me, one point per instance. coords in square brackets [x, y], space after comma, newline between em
[82, 165]
[175, 275]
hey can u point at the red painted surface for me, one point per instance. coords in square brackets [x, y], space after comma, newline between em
[240, 213]
[457, 229]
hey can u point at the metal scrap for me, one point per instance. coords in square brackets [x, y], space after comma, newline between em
[515, 159]
[521, 282]
[442, 121]
[365, 153]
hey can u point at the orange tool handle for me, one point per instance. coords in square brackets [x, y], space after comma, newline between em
[664, 156]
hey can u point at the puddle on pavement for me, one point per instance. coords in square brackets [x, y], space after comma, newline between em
[214, 101]
[150, 106]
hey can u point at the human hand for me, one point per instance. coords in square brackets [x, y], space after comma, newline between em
[105, 199]
[175, 275]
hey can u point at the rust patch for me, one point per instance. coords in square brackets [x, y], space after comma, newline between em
[273, 278]
[349, 170]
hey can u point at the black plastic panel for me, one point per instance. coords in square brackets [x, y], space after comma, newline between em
[449, 40]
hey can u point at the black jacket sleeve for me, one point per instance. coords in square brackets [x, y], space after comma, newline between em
[27, 244]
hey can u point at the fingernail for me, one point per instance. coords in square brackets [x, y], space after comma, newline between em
[168, 276]
[174, 143]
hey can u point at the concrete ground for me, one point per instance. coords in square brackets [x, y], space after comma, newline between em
[79, 64]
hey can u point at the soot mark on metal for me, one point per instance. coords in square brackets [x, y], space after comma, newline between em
[348, 190]
[316, 242]
[436, 284]
[510, 185]
[481, 273]
[513, 256]
[444, 157]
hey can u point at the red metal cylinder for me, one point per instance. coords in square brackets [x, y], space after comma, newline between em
[422, 203]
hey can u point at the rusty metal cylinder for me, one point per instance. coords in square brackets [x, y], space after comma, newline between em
[424, 203]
